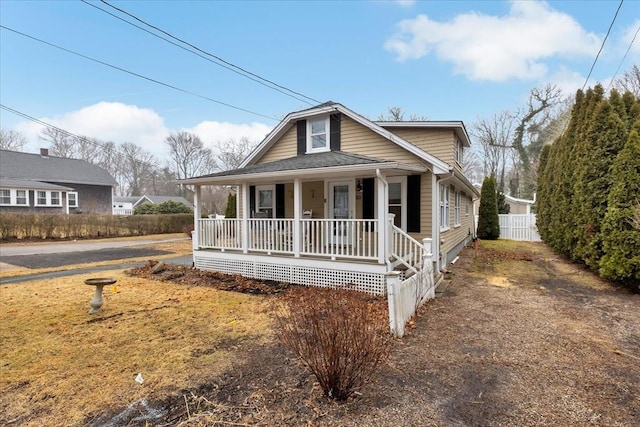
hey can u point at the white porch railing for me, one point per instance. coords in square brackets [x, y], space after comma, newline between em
[333, 238]
[404, 297]
[121, 211]
[405, 250]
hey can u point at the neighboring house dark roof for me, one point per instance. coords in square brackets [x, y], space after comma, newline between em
[122, 199]
[35, 167]
[31, 185]
[306, 161]
[161, 199]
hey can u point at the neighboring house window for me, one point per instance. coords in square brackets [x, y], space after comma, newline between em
[41, 198]
[466, 206]
[318, 135]
[48, 198]
[22, 197]
[55, 198]
[444, 207]
[457, 209]
[459, 151]
[72, 199]
[265, 200]
[14, 197]
[5, 197]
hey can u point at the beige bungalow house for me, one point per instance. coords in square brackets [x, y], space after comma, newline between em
[332, 198]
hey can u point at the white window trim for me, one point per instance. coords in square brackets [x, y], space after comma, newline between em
[271, 188]
[47, 199]
[327, 128]
[459, 152]
[445, 209]
[456, 221]
[69, 201]
[402, 180]
[13, 197]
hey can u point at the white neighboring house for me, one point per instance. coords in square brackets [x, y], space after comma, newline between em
[519, 206]
[126, 205]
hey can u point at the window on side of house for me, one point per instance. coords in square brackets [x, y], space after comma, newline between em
[318, 135]
[5, 197]
[459, 151]
[444, 207]
[41, 198]
[457, 210]
[72, 199]
[265, 199]
[55, 198]
[22, 197]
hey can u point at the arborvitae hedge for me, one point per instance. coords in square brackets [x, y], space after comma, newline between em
[488, 220]
[621, 240]
[581, 180]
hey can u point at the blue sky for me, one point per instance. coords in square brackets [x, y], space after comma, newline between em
[444, 60]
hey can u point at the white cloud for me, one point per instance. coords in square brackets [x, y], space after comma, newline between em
[117, 122]
[628, 36]
[406, 3]
[213, 133]
[496, 48]
[107, 121]
[566, 80]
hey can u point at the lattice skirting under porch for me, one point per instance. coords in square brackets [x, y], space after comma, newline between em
[339, 277]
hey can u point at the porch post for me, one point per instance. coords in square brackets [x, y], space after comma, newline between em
[297, 210]
[197, 214]
[435, 221]
[382, 218]
[245, 217]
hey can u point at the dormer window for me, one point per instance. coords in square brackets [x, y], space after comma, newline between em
[459, 151]
[318, 135]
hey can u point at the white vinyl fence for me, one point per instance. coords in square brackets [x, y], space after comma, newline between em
[518, 227]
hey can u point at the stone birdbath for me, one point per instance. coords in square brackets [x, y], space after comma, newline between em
[99, 283]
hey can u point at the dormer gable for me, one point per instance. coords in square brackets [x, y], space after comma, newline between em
[318, 134]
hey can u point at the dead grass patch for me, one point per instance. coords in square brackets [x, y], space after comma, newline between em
[60, 364]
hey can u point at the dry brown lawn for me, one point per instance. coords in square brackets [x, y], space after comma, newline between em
[59, 364]
[517, 337]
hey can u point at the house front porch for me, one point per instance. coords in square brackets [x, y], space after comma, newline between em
[315, 252]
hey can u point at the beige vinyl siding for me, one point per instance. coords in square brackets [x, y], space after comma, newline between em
[284, 148]
[312, 199]
[437, 142]
[425, 208]
[358, 139]
[456, 234]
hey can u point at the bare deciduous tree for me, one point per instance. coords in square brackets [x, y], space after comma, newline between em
[62, 144]
[629, 81]
[137, 168]
[188, 155]
[12, 140]
[495, 135]
[232, 153]
[396, 114]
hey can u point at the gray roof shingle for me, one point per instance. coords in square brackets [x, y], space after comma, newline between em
[307, 161]
[34, 167]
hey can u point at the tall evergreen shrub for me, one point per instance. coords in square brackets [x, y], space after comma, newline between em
[231, 206]
[488, 221]
[621, 240]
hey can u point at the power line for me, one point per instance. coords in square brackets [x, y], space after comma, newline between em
[222, 62]
[223, 65]
[602, 45]
[623, 58]
[73, 135]
[137, 75]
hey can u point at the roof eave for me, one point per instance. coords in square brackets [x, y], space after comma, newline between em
[349, 170]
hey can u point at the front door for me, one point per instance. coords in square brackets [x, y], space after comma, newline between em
[341, 208]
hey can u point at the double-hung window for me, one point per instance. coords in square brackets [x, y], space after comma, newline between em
[41, 198]
[457, 210]
[72, 199]
[14, 197]
[397, 200]
[318, 135]
[5, 197]
[265, 200]
[459, 151]
[444, 207]
[22, 197]
[55, 198]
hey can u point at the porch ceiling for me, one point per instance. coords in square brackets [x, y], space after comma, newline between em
[308, 166]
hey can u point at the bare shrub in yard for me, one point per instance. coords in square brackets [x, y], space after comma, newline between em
[341, 336]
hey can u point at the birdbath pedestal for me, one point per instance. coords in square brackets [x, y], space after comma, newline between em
[99, 283]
